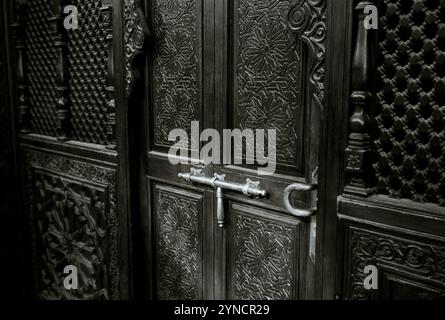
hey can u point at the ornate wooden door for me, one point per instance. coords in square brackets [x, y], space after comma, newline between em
[243, 64]
[74, 208]
[100, 192]
[93, 145]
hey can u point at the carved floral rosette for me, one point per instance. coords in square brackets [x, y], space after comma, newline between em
[74, 221]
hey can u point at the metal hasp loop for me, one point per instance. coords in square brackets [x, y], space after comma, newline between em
[249, 189]
[299, 187]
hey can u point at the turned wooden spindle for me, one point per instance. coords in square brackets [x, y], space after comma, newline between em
[107, 23]
[358, 152]
[19, 31]
[62, 77]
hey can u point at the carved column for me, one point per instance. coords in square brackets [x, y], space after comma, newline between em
[107, 24]
[63, 105]
[358, 152]
[19, 28]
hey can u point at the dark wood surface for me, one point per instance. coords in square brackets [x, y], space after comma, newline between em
[366, 109]
[69, 167]
[391, 213]
[11, 250]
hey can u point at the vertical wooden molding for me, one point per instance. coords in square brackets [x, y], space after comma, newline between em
[358, 152]
[136, 34]
[107, 24]
[19, 32]
[62, 85]
[307, 19]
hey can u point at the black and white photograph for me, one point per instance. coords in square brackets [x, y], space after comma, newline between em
[245, 152]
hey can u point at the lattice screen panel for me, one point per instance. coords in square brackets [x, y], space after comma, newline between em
[87, 69]
[410, 138]
[41, 65]
[87, 58]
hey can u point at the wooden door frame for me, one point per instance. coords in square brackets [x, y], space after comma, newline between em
[333, 143]
[23, 285]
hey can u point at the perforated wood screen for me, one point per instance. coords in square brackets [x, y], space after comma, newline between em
[410, 138]
[87, 71]
[87, 56]
[41, 64]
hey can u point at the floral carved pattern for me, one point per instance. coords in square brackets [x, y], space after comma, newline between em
[353, 162]
[268, 72]
[370, 248]
[72, 227]
[264, 264]
[75, 223]
[135, 35]
[178, 246]
[307, 18]
[176, 66]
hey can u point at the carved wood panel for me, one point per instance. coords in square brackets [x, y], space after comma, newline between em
[176, 66]
[264, 256]
[267, 72]
[410, 110]
[73, 212]
[419, 259]
[179, 245]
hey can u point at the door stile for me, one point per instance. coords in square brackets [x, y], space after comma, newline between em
[220, 122]
[332, 145]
